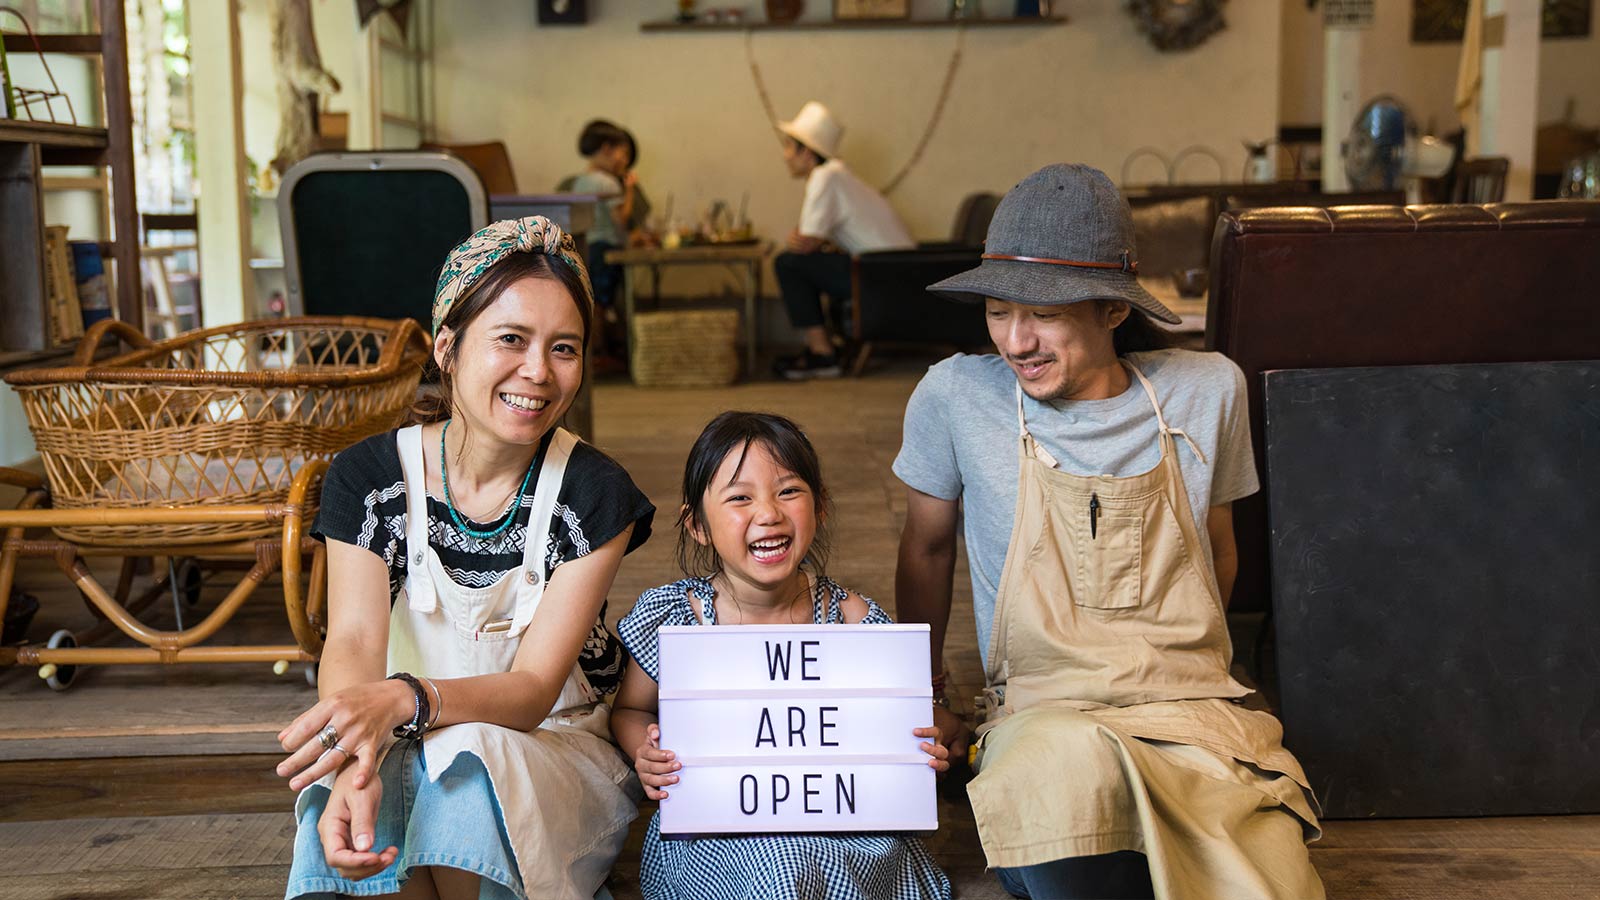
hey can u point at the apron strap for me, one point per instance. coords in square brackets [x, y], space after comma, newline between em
[1161, 420]
[1030, 446]
[419, 592]
[537, 536]
[1022, 422]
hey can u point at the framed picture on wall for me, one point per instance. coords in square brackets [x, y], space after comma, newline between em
[1444, 21]
[852, 10]
[563, 12]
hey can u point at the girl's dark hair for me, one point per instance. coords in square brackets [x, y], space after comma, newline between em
[440, 405]
[737, 432]
[633, 149]
[598, 134]
[1138, 333]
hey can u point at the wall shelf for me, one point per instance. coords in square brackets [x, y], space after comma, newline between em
[54, 356]
[86, 44]
[26, 148]
[48, 134]
[674, 26]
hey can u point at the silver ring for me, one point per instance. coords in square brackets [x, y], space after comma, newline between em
[328, 737]
[340, 749]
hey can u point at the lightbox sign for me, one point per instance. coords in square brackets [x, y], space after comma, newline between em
[796, 728]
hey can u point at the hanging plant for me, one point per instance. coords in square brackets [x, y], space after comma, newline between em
[1175, 25]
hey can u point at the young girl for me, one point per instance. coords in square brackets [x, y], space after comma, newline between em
[471, 556]
[753, 510]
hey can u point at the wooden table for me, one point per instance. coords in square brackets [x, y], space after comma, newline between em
[745, 257]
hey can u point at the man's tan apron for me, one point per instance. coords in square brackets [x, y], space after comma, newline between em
[1110, 722]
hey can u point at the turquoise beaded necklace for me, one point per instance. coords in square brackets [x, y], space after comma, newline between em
[510, 514]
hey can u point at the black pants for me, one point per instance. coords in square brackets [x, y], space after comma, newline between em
[605, 280]
[804, 277]
[1109, 876]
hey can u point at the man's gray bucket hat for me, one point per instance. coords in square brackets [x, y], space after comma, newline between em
[1063, 235]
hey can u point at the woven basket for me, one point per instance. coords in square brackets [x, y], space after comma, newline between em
[219, 416]
[685, 348]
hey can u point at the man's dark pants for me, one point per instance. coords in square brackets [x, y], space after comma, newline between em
[804, 277]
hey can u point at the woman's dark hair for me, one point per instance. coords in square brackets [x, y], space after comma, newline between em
[598, 134]
[1139, 333]
[438, 406]
[737, 432]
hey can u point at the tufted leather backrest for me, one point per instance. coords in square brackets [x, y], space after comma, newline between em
[1301, 287]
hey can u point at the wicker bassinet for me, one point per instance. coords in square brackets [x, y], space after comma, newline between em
[218, 416]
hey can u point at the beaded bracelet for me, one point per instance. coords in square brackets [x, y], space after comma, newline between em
[413, 729]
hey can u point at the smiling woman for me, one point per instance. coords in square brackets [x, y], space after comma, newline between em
[503, 782]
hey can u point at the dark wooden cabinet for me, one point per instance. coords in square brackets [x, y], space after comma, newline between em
[25, 148]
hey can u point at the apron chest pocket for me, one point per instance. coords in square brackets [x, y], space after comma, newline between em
[1109, 568]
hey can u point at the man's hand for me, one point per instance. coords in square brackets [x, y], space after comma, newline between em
[953, 731]
[799, 243]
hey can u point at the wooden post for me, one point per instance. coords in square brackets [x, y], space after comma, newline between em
[119, 149]
[228, 293]
[1509, 103]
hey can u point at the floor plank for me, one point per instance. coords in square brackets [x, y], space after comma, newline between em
[143, 786]
[169, 842]
[1477, 874]
[209, 883]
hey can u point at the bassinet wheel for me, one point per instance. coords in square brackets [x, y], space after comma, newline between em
[188, 578]
[62, 677]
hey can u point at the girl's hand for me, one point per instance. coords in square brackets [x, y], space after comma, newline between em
[938, 753]
[347, 827]
[362, 717]
[655, 765]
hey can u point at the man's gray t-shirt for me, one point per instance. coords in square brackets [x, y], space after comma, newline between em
[961, 441]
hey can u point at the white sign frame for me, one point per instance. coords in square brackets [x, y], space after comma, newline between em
[796, 728]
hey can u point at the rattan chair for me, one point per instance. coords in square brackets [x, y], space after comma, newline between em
[364, 234]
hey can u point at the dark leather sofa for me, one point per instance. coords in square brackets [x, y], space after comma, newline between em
[1299, 288]
[891, 304]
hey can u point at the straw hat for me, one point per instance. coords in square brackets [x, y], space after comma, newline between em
[815, 128]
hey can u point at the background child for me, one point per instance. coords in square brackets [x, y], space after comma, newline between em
[754, 510]
[610, 151]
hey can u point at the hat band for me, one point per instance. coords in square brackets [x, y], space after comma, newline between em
[1127, 264]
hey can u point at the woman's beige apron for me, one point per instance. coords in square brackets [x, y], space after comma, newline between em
[566, 794]
[1110, 716]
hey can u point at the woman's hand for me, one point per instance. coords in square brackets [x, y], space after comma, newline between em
[655, 765]
[361, 716]
[347, 827]
[938, 753]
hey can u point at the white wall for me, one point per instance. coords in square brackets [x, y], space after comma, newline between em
[1090, 91]
[1423, 76]
[335, 24]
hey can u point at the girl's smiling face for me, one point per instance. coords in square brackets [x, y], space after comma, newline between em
[759, 517]
[518, 365]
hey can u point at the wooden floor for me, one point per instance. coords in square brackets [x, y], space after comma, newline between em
[156, 782]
